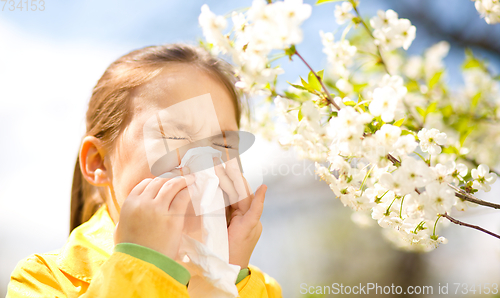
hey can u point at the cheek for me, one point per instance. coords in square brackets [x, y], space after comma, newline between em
[129, 169]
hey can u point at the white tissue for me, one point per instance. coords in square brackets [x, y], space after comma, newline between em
[204, 249]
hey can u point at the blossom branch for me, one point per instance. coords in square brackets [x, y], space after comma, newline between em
[328, 97]
[475, 163]
[458, 192]
[371, 35]
[461, 223]
[468, 197]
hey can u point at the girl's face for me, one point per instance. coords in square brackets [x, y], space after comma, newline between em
[177, 82]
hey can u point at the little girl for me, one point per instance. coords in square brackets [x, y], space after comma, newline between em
[122, 241]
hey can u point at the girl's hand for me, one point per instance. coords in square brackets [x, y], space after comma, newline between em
[244, 228]
[153, 214]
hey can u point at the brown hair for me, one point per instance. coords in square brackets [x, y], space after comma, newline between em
[108, 109]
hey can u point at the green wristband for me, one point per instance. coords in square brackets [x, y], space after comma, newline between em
[243, 273]
[168, 265]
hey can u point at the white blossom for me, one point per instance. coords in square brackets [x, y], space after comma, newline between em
[489, 10]
[372, 165]
[396, 182]
[405, 145]
[440, 197]
[459, 172]
[212, 26]
[390, 32]
[413, 67]
[339, 53]
[388, 135]
[433, 58]
[482, 177]
[347, 129]
[342, 13]
[265, 27]
[384, 103]
[414, 172]
[442, 173]
[383, 19]
[430, 139]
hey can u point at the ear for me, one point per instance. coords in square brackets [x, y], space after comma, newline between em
[92, 162]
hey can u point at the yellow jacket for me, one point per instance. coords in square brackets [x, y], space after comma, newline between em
[87, 266]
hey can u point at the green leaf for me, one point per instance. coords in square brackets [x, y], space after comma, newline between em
[465, 134]
[447, 111]
[297, 86]
[399, 122]
[358, 87]
[412, 86]
[307, 86]
[431, 108]
[471, 61]
[463, 124]
[475, 99]
[350, 103]
[363, 107]
[326, 1]
[435, 79]
[290, 51]
[304, 83]
[300, 114]
[407, 132]
[320, 74]
[421, 112]
[291, 95]
[451, 150]
[313, 81]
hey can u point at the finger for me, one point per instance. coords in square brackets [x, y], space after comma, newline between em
[139, 188]
[180, 202]
[226, 184]
[255, 211]
[153, 187]
[170, 189]
[240, 184]
[175, 173]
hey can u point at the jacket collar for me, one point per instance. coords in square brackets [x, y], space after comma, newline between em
[88, 246]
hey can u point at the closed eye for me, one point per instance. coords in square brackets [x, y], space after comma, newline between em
[174, 138]
[183, 138]
[224, 146]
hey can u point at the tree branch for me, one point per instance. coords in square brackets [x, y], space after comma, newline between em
[458, 192]
[379, 52]
[456, 221]
[328, 97]
[473, 32]
[468, 197]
